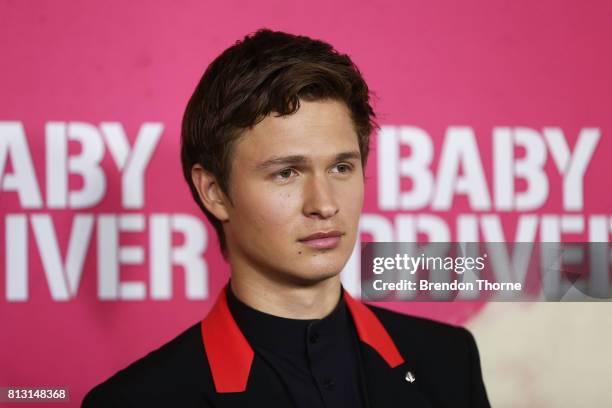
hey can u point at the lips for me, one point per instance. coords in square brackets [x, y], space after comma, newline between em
[322, 240]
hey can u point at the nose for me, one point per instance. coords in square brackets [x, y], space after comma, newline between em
[319, 198]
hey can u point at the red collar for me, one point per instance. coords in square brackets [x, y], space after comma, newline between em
[230, 355]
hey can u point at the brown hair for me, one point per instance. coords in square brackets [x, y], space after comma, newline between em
[268, 71]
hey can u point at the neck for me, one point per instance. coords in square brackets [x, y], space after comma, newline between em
[284, 299]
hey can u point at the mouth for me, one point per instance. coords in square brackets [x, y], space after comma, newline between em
[323, 240]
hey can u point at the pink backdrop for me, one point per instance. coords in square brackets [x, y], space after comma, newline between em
[435, 66]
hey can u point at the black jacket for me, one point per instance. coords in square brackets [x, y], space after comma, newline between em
[406, 362]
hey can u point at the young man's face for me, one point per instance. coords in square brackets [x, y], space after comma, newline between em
[292, 177]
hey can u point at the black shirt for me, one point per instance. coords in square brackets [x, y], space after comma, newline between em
[317, 360]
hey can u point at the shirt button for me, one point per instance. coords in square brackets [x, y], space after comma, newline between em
[314, 337]
[329, 384]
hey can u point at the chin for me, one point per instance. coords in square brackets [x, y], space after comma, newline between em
[311, 279]
[313, 274]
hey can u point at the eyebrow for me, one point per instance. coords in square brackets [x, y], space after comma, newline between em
[298, 159]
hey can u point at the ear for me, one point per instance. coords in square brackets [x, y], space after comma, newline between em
[210, 192]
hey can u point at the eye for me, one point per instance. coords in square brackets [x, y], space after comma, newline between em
[285, 174]
[343, 167]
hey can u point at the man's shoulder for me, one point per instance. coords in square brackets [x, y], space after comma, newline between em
[178, 364]
[419, 333]
[445, 357]
[407, 321]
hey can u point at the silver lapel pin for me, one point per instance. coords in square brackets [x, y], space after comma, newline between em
[410, 377]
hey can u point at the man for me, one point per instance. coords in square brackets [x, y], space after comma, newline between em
[274, 145]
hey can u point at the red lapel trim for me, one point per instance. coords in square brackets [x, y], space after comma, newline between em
[230, 355]
[372, 332]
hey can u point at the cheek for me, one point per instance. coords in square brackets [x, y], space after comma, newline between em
[352, 198]
[270, 211]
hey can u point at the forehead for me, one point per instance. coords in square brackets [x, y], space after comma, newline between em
[318, 129]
